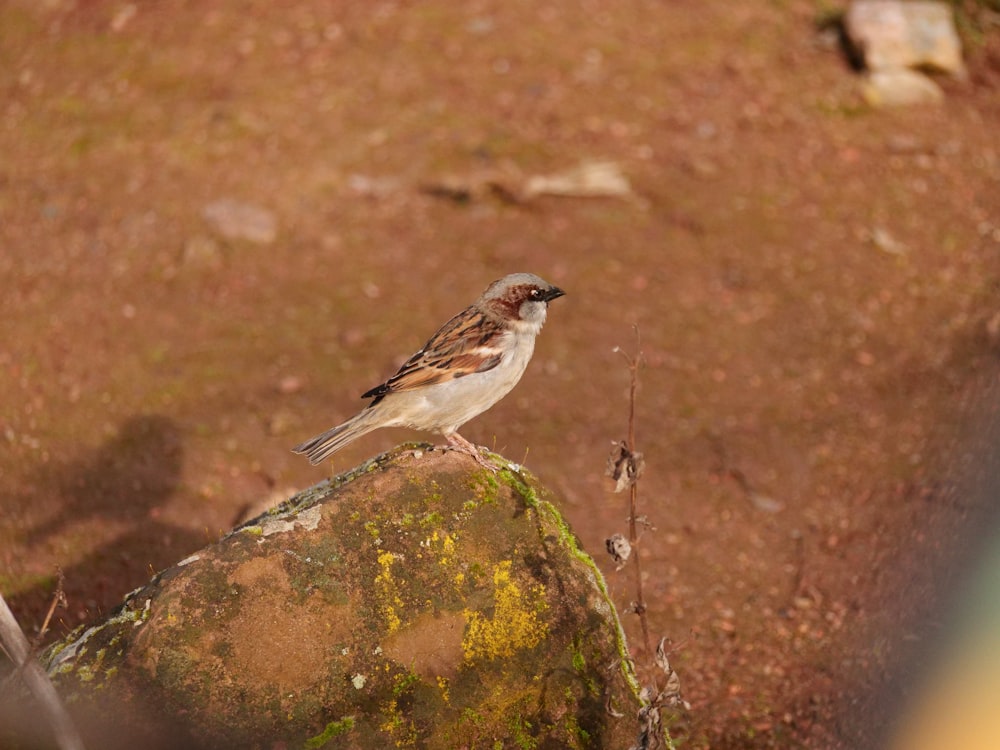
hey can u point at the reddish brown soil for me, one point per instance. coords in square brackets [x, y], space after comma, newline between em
[804, 385]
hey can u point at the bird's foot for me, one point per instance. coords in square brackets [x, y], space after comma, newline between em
[458, 443]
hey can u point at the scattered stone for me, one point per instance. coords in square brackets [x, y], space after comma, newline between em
[235, 220]
[886, 242]
[891, 34]
[702, 167]
[122, 17]
[504, 185]
[480, 25]
[375, 188]
[353, 337]
[290, 384]
[451, 188]
[765, 503]
[591, 179]
[899, 88]
[904, 144]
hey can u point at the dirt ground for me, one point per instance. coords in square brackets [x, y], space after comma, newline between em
[814, 282]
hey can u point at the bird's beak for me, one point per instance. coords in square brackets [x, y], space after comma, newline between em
[552, 294]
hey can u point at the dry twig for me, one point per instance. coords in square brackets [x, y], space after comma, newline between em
[16, 645]
[625, 466]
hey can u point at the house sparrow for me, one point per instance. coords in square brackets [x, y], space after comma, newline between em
[472, 362]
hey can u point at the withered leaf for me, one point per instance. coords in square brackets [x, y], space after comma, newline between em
[619, 549]
[624, 465]
[661, 656]
[671, 693]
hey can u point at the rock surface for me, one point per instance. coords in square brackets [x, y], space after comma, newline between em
[418, 600]
[891, 35]
[899, 88]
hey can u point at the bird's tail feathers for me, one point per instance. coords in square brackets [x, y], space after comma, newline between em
[322, 446]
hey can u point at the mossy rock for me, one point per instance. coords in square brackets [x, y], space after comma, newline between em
[417, 601]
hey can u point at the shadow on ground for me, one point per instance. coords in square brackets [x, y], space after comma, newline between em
[122, 486]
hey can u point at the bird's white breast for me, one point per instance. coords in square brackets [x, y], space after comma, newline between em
[445, 407]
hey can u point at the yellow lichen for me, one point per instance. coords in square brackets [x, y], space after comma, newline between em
[386, 585]
[447, 549]
[515, 624]
[444, 544]
[442, 683]
[395, 724]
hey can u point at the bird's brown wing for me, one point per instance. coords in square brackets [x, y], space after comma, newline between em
[468, 343]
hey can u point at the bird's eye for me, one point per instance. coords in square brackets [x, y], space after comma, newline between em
[535, 293]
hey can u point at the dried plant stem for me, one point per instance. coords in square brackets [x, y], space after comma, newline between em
[640, 602]
[625, 466]
[16, 645]
[58, 598]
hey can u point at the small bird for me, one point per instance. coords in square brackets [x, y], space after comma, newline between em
[473, 361]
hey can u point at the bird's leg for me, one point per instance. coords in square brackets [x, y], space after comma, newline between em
[460, 444]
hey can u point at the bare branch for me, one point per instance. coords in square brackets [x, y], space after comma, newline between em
[16, 644]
